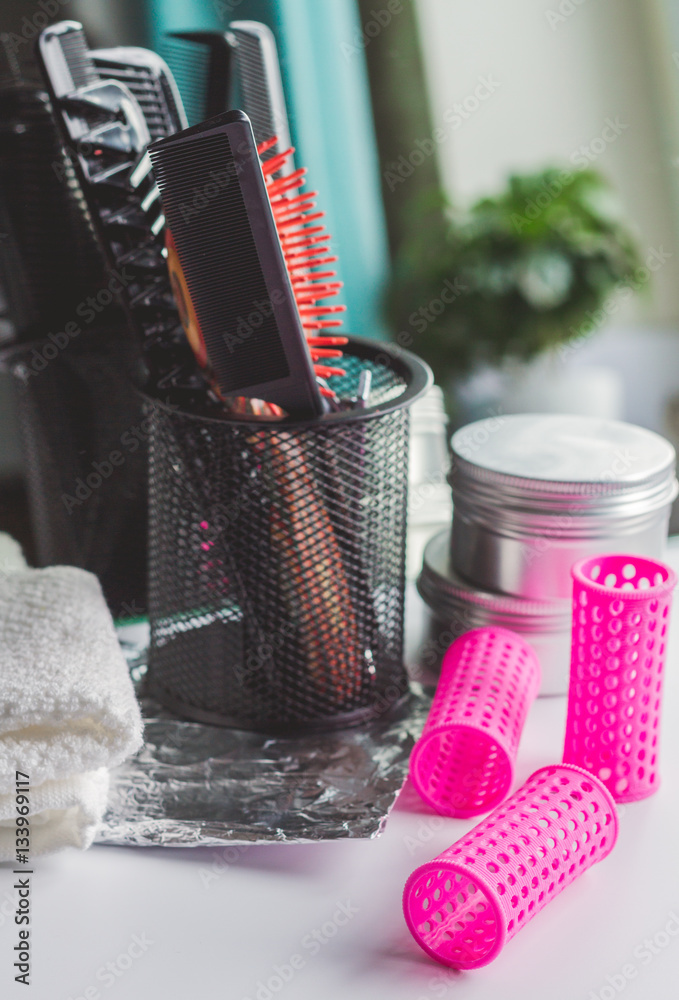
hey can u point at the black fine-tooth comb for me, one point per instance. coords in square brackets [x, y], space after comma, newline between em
[228, 269]
[202, 65]
[262, 97]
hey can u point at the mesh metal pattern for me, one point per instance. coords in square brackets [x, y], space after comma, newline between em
[277, 560]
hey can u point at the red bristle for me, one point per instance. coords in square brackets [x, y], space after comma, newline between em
[307, 301]
[317, 292]
[325, 372]
[294, 238]
[321, 310]
[299, 221]
[284, 226]
[313, 263]
[311, 297]
[317, 286]
[295, 180]
[296, 175]
[302, 227]
[268, 144]
[320, 324]
[273, 165]
[313, 274]
[318, 353]
[311, 241]
[303, 246]
[305, 265]
[296, 250]
[297, 233]
[309, 251]
[285, 204]
[326, 341]
[284, 218]
[312, 286]
[301, 209]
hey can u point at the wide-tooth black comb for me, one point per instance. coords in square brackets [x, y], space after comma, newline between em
[150, 81]
[116, 183]
[262, 97]
[202, 65]
[232, 266]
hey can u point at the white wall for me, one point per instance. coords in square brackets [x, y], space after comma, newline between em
[556, 84]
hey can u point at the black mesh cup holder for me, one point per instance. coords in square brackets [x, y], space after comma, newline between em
[85, 450]
[276, 557]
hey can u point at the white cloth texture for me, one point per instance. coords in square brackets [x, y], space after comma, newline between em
[68, 711]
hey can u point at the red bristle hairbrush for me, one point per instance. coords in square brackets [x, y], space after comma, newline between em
[244, 253]
[301, 242]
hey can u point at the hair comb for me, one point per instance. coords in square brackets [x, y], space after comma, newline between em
[202, 64]
[261, 88]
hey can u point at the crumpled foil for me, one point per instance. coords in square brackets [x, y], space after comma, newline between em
[195, 785]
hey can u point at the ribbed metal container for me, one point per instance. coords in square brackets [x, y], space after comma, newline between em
[535, 493]
[457, 607]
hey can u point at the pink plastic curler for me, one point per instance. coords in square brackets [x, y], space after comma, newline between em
[464, 906]
[463, 764]
[621, 611]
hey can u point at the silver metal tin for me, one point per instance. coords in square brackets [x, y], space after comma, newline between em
[535, 493]
[457, 607]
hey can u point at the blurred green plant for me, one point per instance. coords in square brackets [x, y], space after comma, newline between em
[516, 275]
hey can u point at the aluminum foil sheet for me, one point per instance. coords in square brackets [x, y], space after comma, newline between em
[194, 785]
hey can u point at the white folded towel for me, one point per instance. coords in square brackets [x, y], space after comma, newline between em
[67, 707]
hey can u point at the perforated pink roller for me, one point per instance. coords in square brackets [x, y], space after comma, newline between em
[621, 613]
[463, 764]
[463, 906]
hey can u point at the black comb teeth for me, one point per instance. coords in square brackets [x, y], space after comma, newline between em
[201, 62]
[262, 96]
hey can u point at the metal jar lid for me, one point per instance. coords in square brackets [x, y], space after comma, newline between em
[451, 598]
[546, 464]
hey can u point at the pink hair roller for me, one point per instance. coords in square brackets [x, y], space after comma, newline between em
[463, 764]
[465, 905]
[621, 612]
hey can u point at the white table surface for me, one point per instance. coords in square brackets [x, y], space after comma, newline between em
[216, 924]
